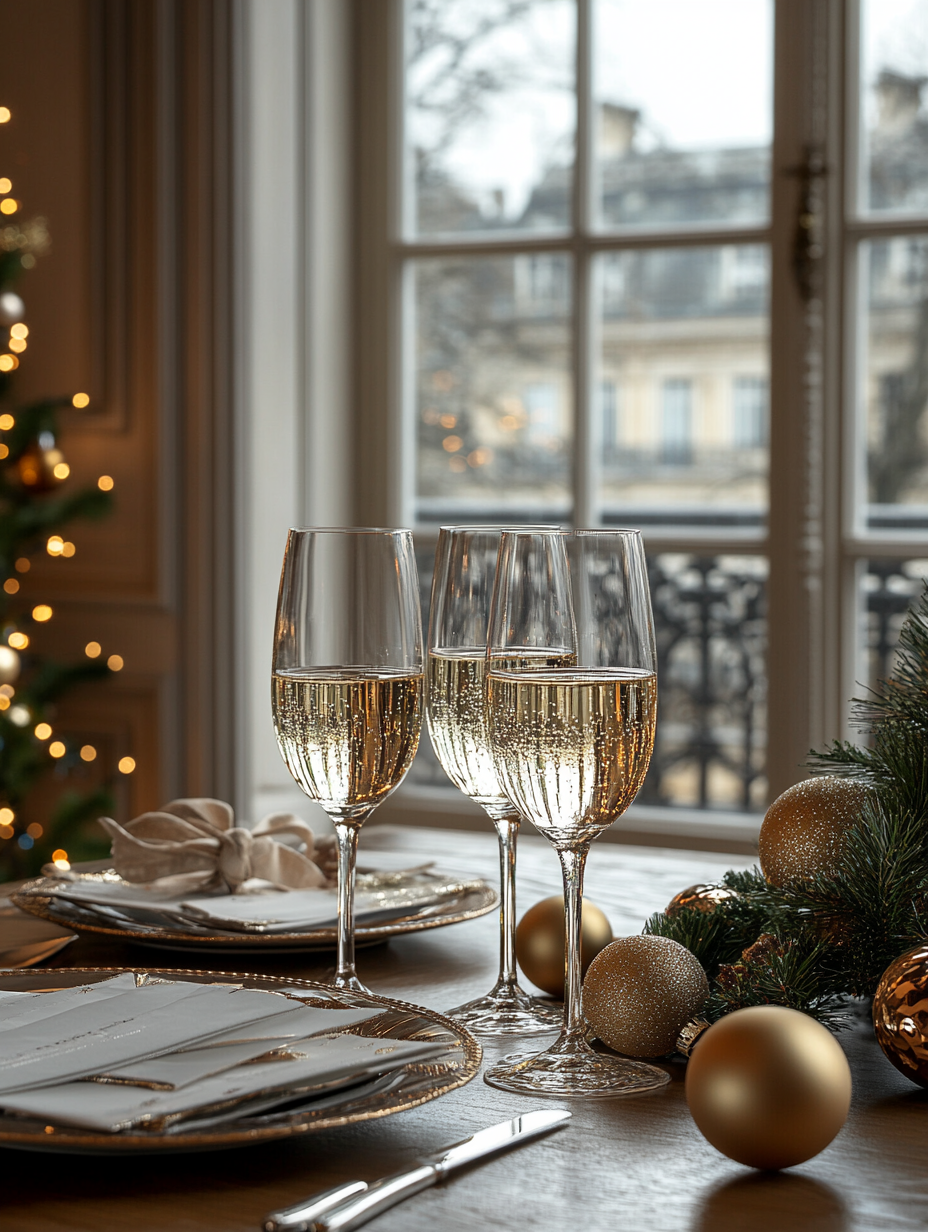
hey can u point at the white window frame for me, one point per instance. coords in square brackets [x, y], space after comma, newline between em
[341, 79]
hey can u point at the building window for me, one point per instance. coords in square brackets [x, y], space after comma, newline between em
[609, 420]
[749, 412]
[676, 445]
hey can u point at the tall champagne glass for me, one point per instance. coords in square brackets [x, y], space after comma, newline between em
[572, 742]
[348, 683]
[465, 564]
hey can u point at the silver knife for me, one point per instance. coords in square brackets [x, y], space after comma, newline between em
[348, 1206]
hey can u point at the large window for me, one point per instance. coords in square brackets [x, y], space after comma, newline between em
[666, 265]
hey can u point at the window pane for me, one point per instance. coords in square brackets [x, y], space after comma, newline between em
[493, 400]
[710, 625]
[894, 105]
[490, 114]
[889, 588]
[710, 622]
[683, 387]
[683, 98]
[895, 380]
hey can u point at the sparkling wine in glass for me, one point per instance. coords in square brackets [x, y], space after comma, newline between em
[572, 743]
[348, 683]
[465, 564]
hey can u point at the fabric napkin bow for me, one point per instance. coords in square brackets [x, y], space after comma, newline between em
[200, 836]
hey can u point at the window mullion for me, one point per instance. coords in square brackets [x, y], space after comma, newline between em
[801, 587]
[584, 359]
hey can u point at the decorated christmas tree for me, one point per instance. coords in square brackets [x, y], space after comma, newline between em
[36, 507]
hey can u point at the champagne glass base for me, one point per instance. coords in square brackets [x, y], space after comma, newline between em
[584, 1075]
[351, 983]
[508, 1010]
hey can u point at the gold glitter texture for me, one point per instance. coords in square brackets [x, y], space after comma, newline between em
[640, 992]
[803, 830]
[900, 1013]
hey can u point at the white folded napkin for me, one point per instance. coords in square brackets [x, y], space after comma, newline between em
[19, 1009]
[179, 1069]
[325, 1061]
[271, 912]
[96, 1035]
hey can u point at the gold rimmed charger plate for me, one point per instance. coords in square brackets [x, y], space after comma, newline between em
[417, 1083]
[39, 897]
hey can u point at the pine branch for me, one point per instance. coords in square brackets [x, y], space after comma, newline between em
[794, 973]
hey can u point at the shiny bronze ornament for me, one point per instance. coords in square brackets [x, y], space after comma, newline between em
[541, 941]
[699, 897]
[803, 831]
[768, 1086]
[640, 992]
[900, 1013]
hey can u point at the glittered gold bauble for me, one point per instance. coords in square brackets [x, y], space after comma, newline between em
[803, 830]
[640, 992]
[900, 1013]
[9, 664]
[769, 1087]
[701, 897]
[541, 941]
[36, 468]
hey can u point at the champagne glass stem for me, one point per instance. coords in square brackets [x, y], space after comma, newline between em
[507, 828]
[346, 834]
[573, 863]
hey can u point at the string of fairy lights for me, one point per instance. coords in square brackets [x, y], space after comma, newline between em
[40, 468]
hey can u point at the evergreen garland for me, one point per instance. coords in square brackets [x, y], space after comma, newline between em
[832, 936]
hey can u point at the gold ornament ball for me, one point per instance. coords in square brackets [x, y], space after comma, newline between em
[640, 992]
[803, 830]
[900, 1013]
[768, 1087]
[541, 941]
[9, 664]
[701, 897]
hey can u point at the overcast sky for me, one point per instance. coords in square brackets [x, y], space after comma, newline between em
[700, 74]
[699, 71]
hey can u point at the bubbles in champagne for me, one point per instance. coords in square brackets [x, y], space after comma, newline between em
[458, 722]
[347, 734]
[572, 747]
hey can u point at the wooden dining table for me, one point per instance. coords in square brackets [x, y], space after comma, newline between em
[625, 1164]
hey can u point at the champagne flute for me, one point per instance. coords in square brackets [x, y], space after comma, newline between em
[465, 564]
[348, 683]
[572, 742]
